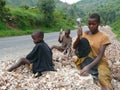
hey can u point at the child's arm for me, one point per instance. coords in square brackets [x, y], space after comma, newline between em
[79, 34]
[33, 54]
[95, 61]
[60, 37]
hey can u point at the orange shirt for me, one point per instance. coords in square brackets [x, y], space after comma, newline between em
[96, 41]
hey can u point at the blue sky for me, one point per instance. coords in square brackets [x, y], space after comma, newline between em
[70, 1]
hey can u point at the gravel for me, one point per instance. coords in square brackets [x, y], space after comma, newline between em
[65, 78]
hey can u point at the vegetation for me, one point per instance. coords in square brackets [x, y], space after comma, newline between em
[116, 28]
[23, 20]
[47, 8]
[109, 11]
[24, 16]
[109, 15]
[3, 10]
[18, 3]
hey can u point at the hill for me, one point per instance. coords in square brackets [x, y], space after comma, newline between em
[30, 3]
[109, 10]
[17, 3]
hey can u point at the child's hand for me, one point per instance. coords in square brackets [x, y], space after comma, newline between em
[84, 71]
[61, 31]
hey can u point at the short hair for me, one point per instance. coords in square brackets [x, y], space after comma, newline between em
[95, 16]
[39, 33]
[67, 30]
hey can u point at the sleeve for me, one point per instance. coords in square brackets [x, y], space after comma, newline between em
[33, 54]
[105, 40]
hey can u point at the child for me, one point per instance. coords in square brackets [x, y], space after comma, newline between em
[40, 57]
[66, 42]
[93, 57]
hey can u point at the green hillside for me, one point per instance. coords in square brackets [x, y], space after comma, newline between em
[109, 11]
[30, 3]
[88, 5]
[24, 17]
[18, 3]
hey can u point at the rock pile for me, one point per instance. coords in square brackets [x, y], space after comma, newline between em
[67, 76]
[113, 55]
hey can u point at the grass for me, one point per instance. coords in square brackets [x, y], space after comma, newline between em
[8, 33]
[26, 21]
[116, 28]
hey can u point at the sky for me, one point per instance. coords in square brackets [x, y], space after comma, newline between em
[70, 1]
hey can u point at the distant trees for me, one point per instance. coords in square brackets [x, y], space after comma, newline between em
[47, 7]
[108, 15]
[109, 12]
[3, 11]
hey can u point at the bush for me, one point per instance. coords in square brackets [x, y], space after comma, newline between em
[25, 19]
[3, 26]
[116, 28]
[63, 21]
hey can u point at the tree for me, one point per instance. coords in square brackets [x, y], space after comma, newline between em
[3, 11]
[47, 7]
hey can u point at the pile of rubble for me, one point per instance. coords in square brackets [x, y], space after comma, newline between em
[65, 78]
[113, 55]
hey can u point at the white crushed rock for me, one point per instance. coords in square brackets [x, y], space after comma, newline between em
[67, 76]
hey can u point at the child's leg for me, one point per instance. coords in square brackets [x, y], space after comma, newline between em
[105, 87]
[58, 48]
[22, 61]
[105, 77]
[38, 74]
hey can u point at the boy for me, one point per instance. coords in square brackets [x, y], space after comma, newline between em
[66, 42]
[94, 59]
[40, 57]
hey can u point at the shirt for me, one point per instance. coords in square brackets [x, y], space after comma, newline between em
[41, 58]
[96, 41]
[66, 42]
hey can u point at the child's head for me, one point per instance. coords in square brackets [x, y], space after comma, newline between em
[37, 36]
[67, 32]
[94, 22]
